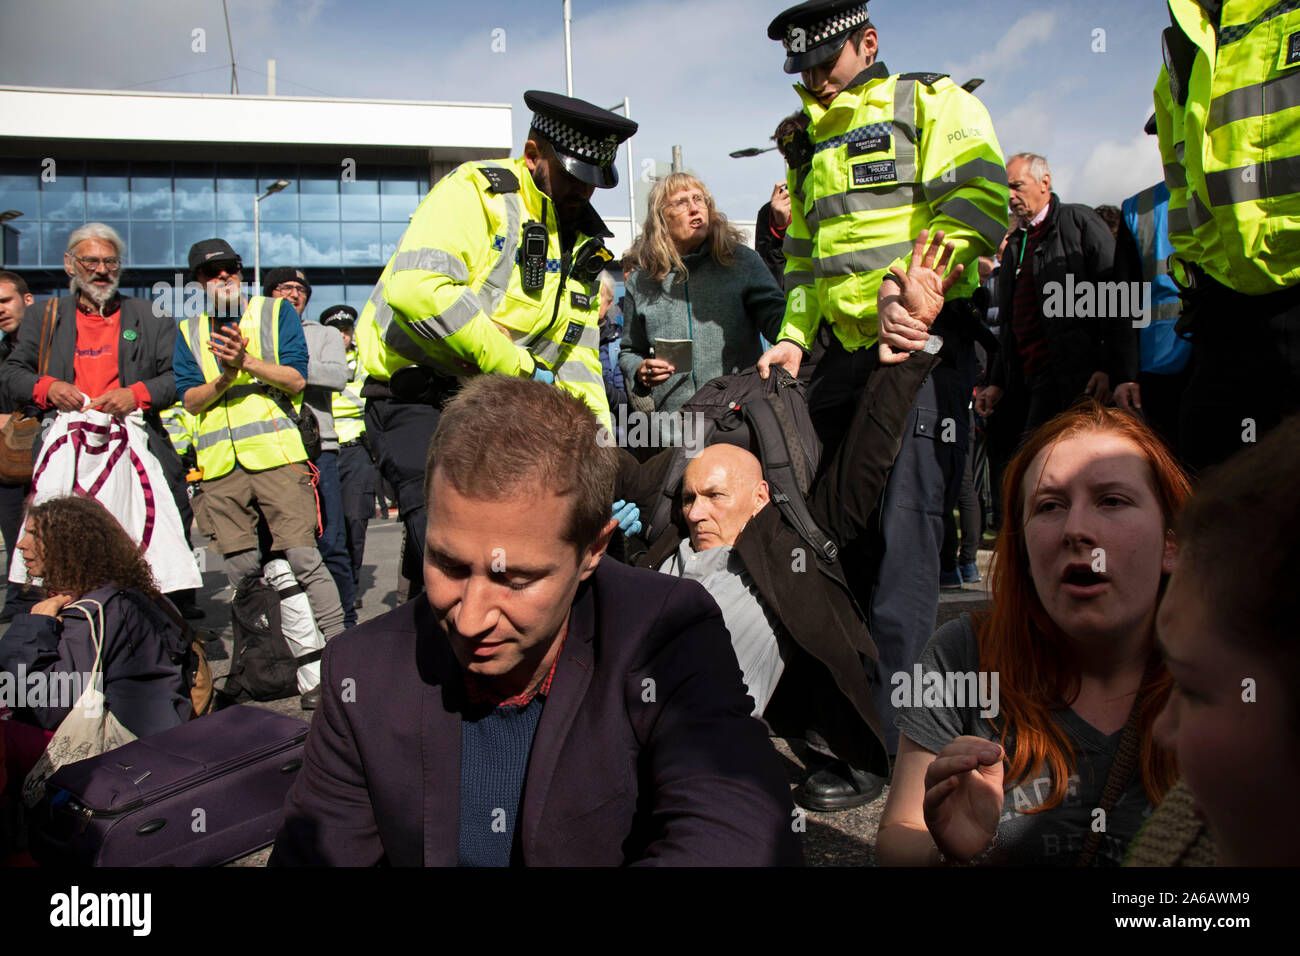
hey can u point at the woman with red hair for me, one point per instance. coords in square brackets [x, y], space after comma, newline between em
[1029, 738]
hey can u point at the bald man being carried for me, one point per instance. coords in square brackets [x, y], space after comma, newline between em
[800, 638]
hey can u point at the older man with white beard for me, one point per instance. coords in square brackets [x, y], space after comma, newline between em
[102, 350]
[105, 351]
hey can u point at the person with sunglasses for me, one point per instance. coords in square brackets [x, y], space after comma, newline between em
[241, 368]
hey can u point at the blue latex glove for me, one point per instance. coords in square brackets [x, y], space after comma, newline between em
[628, 516]
[543, 375]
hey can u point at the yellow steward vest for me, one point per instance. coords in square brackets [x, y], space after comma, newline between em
[348, 406]
[245, 426]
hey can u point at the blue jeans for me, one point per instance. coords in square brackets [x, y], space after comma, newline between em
[333, 543]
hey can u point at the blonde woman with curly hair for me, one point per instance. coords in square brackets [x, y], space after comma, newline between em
[696, 280]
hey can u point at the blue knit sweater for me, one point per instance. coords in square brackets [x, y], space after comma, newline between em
[494, 753]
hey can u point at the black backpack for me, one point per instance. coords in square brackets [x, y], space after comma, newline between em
[769, 418]
[263, 666]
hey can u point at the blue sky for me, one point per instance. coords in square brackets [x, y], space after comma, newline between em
[1072, 81]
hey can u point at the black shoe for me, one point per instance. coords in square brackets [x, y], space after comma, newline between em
[309, 700]
[192, 612]
[837, 786]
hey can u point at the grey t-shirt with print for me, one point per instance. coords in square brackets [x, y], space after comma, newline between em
[1052, 837]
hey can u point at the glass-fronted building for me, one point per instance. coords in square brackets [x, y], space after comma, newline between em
[356, 172]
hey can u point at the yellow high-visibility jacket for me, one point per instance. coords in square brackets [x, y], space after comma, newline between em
[246, 425]
[348, 406]
[452, 297]
[891, 156]
[180, 426]
[1228, 118]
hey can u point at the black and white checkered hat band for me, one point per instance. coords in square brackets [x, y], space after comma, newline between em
[842, 22]
[571, 141]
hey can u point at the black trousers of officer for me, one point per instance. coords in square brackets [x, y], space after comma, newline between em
[399, 434]
[357, 484]
[1245, 369]
[895, 573]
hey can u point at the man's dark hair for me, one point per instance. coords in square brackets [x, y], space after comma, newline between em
[18, 282]
[793, 123]
[1111, 216]
[503, 437]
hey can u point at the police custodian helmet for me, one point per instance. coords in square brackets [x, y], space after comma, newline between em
[585, 137]
[815, 31]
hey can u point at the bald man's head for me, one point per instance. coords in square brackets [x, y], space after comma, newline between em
[722, 489]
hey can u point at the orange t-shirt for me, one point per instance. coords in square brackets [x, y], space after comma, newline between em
[94, 369]
[94, 364]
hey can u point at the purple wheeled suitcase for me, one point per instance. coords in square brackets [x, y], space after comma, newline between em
[201, 794]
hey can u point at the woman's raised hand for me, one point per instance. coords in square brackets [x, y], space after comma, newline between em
[963, 797]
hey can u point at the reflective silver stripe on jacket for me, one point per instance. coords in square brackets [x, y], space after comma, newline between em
[266, 330]
[1277, 177]
[796, 248]
[353, 399]
[240, 432]
[431, 260]
[1258, 99]
[1145, 234]
[960, 175]
[795, 279]
[454, 318]
[575, 371]
[391, 334]
[860, 200]
[494, 286]
[1175, 176]
[905, 120]
[965, 211]
[860, 260]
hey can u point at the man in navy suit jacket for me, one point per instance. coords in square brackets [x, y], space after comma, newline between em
[537, 706]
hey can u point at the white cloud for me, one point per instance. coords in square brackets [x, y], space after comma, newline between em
[1029, 30]
[1116, 170]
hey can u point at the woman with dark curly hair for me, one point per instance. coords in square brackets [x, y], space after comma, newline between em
[84, 559]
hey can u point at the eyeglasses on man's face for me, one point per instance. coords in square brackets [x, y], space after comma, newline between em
[94, 263]
[686, 202]
[289, 288]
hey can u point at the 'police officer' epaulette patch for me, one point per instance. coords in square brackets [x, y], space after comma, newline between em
[500, 180]
[929, 79]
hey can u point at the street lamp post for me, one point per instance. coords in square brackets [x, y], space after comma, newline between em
[568, 49]
[5, 217]
[275, 187]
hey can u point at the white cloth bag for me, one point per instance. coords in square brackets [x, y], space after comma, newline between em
[89, 730]
[106, 458]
